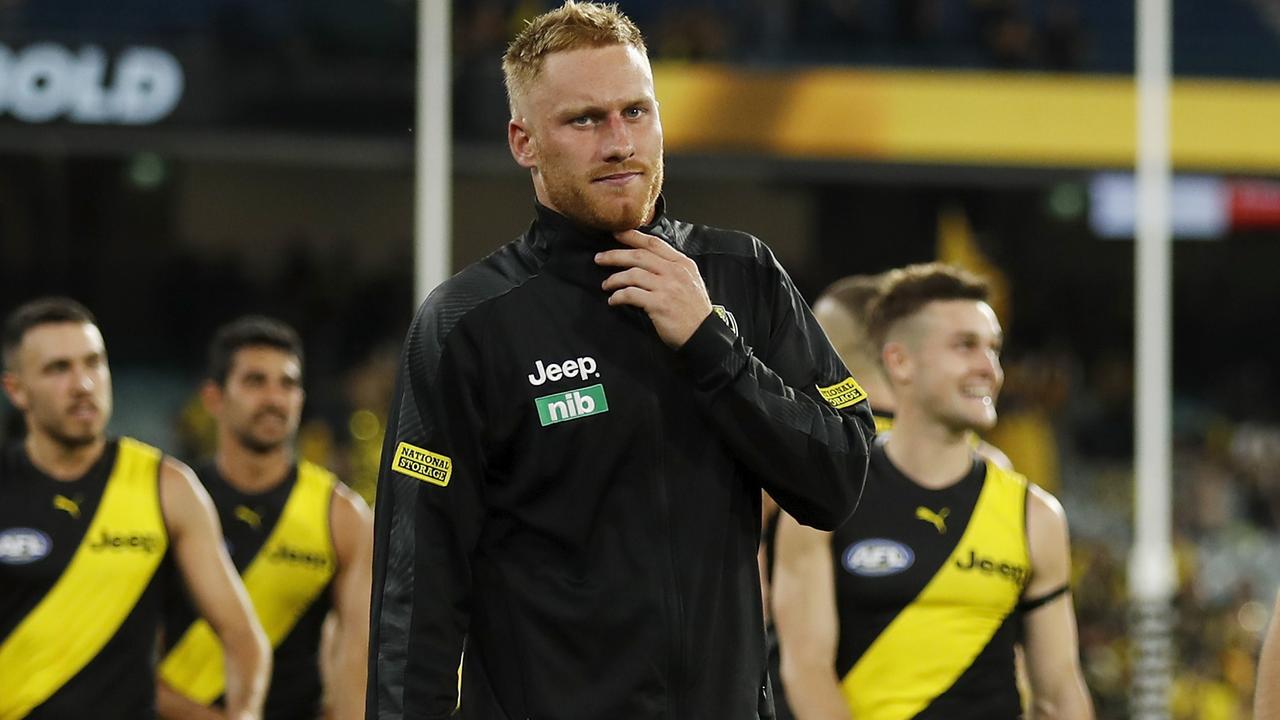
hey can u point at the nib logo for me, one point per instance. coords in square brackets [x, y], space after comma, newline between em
[572, 405]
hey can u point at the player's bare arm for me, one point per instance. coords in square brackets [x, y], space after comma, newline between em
[660, 280]
[352, 524]
[804, 613]
[173, 705]
[1266, 701]
[1052, 646]
[215, 589]
[768, 509]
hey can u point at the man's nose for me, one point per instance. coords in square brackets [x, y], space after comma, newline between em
[990, 365]
[618, 142]
[276, 395]
[85, 381]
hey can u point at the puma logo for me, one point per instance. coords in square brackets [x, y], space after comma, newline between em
[67, 505]
[937, 519]
[248, 517]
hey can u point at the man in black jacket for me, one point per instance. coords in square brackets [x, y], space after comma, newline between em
[583, 424]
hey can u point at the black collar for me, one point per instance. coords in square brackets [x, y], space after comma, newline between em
[571, 248]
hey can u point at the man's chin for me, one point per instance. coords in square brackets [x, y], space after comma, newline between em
[260, 445]
[619, 218]
[76, 440]
[983, 424]
[964, 423]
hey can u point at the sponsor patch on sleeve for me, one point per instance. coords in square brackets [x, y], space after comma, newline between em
[727, 316]
[422, 464]
[843, 394]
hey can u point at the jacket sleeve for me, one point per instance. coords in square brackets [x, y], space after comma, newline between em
[789, 410]
[428, 516]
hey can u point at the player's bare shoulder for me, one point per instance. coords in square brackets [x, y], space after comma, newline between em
[1048, 542]
[1044, 511]
[182, 495]
[351, 520]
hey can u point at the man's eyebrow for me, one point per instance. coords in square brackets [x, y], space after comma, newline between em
[596, 108]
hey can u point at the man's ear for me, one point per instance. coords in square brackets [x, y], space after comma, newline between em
[895, 358]
[211, 396]
[523, 147]
[14, 390]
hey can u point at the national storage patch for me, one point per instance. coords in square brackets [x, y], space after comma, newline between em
[844, 394]
[422, 464]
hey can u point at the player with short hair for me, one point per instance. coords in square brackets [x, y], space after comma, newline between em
[300, 539]
[585, 419]
[914, 609]
[86, 521]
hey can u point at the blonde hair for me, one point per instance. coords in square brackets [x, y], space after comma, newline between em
[572, 26]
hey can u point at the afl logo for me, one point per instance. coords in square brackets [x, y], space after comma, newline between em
[22, 546]
[877, 557]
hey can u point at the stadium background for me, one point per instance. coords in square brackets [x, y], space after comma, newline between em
[852, 135]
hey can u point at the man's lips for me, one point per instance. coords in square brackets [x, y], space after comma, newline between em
[84, 411]
[621, 178]
[270, 414]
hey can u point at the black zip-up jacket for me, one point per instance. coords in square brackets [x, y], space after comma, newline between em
[579, 504]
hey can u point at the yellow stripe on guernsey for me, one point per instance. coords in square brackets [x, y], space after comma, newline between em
[926, 648]
[293, 567]
[120, 552]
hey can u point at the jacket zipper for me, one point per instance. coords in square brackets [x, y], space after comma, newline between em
[675, 604]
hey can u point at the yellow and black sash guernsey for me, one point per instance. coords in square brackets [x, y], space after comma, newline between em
[76, 560]
[927, 586]
[282, 546]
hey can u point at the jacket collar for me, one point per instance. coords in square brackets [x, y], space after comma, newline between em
[571, 247]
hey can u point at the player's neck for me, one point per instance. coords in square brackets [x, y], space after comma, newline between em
[880, 397]
[876, 387]
[252, 472]
[931, 454]
[59, 460]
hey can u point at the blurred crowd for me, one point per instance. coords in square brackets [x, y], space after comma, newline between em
[1216, 37]
[973, 33]
[1069, 428]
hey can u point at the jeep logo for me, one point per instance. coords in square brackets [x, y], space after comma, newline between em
[298, 556]
[125, 541]
[1016, 574]
[583, 367]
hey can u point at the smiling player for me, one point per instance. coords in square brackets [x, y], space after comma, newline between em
[913, 609]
